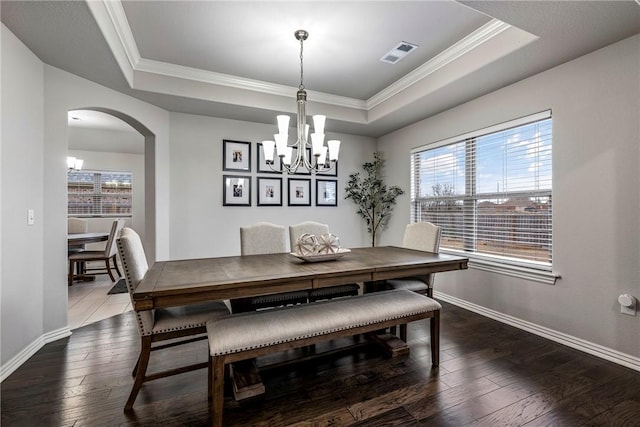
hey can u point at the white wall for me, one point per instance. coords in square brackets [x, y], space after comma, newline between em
[202, 227]
[595, 101]
[21, 279]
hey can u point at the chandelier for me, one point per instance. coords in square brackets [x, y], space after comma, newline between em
[73, 164]
[321, 157]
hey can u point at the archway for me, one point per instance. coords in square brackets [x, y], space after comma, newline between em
[149, 175]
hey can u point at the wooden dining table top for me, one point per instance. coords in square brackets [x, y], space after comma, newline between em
[180, 282]
[84, 238]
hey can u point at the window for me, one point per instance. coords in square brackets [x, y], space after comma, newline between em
[490, 191]
[99, 193]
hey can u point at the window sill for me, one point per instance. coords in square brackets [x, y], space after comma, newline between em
[547, 277]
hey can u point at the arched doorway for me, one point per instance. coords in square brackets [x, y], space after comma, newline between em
[111, 141]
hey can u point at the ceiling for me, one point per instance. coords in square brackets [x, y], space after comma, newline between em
[240, 60]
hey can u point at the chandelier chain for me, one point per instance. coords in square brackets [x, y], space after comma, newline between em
[301, 87]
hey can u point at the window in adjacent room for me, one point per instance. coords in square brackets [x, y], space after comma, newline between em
[490, 191]
[99, 193]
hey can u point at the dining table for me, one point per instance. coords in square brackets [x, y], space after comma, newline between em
[187, 281]
[77, 239]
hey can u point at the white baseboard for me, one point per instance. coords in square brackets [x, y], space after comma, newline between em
[17, 361]
[597, 350]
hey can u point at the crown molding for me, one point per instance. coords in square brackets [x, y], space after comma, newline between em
[228, 80]
[123, 29]
[444, 58]
[112, 20]
[103, 12]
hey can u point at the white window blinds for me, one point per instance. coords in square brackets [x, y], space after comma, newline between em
[99, 193]
[490, 190]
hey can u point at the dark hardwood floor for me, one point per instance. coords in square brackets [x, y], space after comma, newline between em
[490, 374]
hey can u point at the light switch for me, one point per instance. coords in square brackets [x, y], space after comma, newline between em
[31, 217]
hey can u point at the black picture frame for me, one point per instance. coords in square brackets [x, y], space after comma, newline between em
[261, 164]
[299, 192]
[269, 191]
[326, 192]
[236, 190]
[332, 172]
[236, 156]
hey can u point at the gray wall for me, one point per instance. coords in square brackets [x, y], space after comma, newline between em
[35, 102]
[201, 226]
[21, 278]
[595, 101]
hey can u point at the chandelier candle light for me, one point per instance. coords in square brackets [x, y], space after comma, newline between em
[74, 164]
[318, 148]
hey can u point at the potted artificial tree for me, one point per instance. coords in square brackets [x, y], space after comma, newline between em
[374, 199]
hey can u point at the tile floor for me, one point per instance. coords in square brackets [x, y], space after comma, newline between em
[89, 302]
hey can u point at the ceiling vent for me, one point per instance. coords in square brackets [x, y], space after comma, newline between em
[397, 53]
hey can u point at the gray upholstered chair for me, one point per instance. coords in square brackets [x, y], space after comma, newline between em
[318, 229]
[77, 226]
[182, 325]
[421, 236]
[108, 255]
[265, 238]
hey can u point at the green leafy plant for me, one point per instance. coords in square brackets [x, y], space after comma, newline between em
[374, 199]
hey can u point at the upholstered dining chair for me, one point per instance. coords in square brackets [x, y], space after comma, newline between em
[76, 226]
[265, 238]
[182, 325]
[108, 255]
[318, 229]
[421, 236]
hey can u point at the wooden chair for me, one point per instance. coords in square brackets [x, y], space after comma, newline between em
[108, 255]
[265, 238]
[421, 236]
[318, 229]
[182, 325]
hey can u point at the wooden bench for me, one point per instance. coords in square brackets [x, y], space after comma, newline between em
[244, 336]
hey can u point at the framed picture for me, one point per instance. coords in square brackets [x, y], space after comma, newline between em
[261, 166]
[236, 156]
[332, 172]
[326, 192]
[236, 190]
[269, 191]
[299, 192]
[302, 170]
